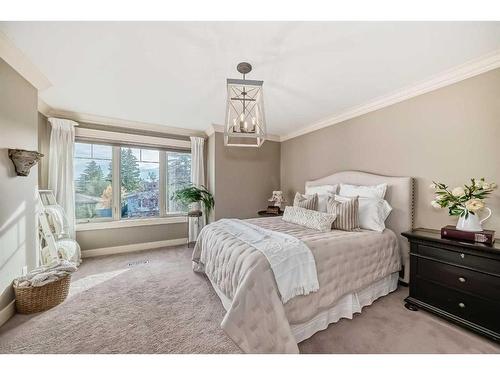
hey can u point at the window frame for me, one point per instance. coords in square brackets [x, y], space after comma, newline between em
[100, 219]
[116, 221]
[118, 191]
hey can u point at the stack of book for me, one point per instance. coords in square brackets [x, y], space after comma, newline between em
[486, 236]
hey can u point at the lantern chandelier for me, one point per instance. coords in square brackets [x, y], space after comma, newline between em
[245, 121]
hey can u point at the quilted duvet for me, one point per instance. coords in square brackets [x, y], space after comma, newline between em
[257, 321]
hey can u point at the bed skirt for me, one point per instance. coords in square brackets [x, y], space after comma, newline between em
[346, 307]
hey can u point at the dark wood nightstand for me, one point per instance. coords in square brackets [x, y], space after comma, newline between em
[267, 214]
[459, 281]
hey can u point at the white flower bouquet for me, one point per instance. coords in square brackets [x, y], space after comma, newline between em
[462, 201]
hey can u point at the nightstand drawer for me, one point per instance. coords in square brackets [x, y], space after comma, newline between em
[460, 278]
[465, 306]
[461, 259]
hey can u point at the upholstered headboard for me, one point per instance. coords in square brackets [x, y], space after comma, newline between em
[399, 195]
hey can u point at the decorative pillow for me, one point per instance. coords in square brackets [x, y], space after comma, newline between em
[375, 191]
[309, 218]
[306, 201]
[346, 211]
[323, 191]
[372, 213]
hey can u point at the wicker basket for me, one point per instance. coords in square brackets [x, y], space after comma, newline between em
[35, 299]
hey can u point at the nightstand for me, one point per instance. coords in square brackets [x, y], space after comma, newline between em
[267, 214]
[458, 281]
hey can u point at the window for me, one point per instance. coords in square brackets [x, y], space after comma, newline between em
[139, 181]
[93, 181]
[122, 182]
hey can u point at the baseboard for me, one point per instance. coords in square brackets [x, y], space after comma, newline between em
[132, 247]
[7, 312]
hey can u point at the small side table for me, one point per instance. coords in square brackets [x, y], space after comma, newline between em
[264, 213]
[194, 221]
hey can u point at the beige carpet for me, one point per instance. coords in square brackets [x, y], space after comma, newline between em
[151, 302]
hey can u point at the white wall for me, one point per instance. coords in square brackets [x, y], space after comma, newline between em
[18, 129]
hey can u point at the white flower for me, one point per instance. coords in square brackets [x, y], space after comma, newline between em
[486, 186]
[432, 186]
[474, 205]
[435, 204]
[493, 185]
[458, 191]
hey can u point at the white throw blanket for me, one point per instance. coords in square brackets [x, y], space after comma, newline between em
[290, 259]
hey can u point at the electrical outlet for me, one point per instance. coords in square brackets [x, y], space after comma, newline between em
[25, 270]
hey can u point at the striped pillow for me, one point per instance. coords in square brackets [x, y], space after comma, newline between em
[309, 202]
[346, 209]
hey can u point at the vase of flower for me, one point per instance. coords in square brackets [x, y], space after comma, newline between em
[465, 202]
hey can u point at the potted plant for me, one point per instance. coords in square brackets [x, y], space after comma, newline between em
[193, 197]
[464, 201]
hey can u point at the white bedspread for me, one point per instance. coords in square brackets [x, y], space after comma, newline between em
[290, 259]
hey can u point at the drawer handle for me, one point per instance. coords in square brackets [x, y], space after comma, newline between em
[462, 279]
[461, 305]
[462, 255]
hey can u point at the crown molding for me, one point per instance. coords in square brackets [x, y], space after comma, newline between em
[212, 130]
[44, 108]
[215, 128]
[18, 60]
[459, 73]
[126, 124]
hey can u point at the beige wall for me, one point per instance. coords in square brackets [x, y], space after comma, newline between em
[210, 170]
[449, 135]
[96, 239]
[244, 177]
[18, 129]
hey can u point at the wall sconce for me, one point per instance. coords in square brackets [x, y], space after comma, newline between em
[23, 160]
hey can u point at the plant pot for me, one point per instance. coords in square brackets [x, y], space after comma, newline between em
[195, 206]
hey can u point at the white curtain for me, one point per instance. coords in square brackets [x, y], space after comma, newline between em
[62, 144]
[198, 179]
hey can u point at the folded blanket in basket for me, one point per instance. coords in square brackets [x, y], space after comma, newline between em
[46, 274]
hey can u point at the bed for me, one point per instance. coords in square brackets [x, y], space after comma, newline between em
[353, 270]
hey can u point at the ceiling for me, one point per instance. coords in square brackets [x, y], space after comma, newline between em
[173, 73]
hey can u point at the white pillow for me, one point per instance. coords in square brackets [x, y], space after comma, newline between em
[323, 191]
[373, 212]
[309, 218]
[375, 191]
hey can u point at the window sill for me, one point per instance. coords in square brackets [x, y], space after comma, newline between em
[131, 223]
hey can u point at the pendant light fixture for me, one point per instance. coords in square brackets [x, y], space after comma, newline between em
[245, 121]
